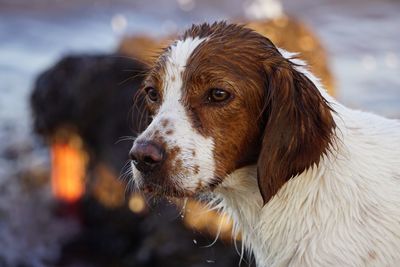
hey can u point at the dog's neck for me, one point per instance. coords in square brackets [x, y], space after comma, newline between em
[239, 196]
[270, 231]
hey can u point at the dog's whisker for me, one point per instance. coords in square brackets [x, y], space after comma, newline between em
[125, 138]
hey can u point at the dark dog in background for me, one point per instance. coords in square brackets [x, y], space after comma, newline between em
[93, 95]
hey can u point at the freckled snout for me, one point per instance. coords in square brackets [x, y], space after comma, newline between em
[147, 156]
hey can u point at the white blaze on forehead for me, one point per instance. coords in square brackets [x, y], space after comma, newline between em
[175, 64]
[180, 52]
[195, 151]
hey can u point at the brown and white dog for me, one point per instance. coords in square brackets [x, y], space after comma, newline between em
[307, 181]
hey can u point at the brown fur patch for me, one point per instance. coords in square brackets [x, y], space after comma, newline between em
[196, 169]
[175, 151]
[222, 62]
[174, 164]
[372, 255]
[178, 164]
[199, 185]
[165, 123]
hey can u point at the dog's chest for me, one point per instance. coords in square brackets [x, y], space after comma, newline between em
[316, 220]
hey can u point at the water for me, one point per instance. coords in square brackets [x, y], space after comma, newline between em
[363, 38]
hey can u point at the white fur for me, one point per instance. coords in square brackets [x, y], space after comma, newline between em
[343, 212]
[184, 135]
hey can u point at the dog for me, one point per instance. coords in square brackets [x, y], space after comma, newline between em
[306, 180]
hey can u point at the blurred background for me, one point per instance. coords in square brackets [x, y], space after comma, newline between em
[69, 71]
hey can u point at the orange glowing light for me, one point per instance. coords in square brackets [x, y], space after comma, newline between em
[68, 169]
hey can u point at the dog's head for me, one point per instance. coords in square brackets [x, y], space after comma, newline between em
[224, 97]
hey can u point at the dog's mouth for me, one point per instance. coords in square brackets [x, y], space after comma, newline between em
[168, 189]
[165, 190]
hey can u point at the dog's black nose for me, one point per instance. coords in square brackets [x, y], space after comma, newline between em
[147, 156]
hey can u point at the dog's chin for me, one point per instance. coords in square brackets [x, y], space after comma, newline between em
[168, 190]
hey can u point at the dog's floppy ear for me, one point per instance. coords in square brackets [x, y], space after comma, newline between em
[298, 127]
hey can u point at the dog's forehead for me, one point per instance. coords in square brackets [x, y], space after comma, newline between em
[173, 65]
[202, 42]
[180, 52]
[212, 54]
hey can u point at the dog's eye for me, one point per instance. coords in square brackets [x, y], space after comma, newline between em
[152, 94]
[218, 95]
